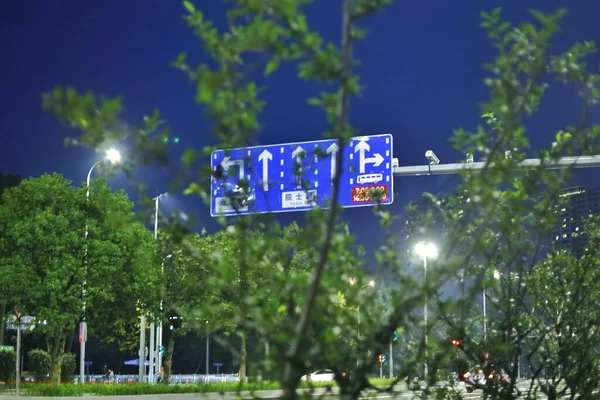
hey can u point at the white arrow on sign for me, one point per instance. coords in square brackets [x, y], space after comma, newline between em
[333, 149]
[264, 157]
[226, 163]
[297, 154]
[363, 147]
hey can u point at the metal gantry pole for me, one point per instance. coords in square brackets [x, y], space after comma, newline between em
[450, 169]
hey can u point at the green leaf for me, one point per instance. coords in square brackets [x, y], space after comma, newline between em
[189, 6]
[272, 66]
[189, 157]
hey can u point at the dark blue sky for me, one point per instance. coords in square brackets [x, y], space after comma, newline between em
[421, 68]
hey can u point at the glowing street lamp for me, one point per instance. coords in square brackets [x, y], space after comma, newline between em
[371, 283]
[113, 156]
[426, 250]
[496, 275]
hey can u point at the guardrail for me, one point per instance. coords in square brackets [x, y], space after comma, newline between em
[178, 378]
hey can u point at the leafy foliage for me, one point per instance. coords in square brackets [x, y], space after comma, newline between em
[45, 258]
[68, 366]
[563, 344]
[39, 364]
[8, 361]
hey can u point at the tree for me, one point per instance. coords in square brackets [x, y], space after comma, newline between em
[221, 255]
[564, 343]
[134, 279]
[500, 231]
[186, 286]
[6, 181]
[45, 257]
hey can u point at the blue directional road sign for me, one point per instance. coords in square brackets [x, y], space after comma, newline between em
[298, 176]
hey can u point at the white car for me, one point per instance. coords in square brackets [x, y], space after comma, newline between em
[322, 375]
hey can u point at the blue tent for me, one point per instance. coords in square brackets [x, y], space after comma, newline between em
[135, 361]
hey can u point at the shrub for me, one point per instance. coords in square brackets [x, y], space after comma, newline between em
[69, 365]
[7, 365]
[69, 389]
[39, 364]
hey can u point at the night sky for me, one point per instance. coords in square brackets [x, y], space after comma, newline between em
[421, 68]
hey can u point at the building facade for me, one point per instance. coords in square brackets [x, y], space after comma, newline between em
[580, 204]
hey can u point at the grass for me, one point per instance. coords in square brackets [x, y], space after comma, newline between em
[71, 389]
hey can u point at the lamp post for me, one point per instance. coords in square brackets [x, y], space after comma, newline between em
[484, 294]
[425, 250]
[155, 338]
[371, 283]
[113, 156]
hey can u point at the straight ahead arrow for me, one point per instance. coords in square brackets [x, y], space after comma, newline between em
[297, 154]
[362, 147]
[333, 149]
[264, 157]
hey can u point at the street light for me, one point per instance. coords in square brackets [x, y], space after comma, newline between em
[496, 277]
[427, 251]
[113, 156]
[371, 283]
[155, 340]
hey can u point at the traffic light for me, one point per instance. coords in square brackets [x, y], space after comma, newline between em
[383, 358]
[397, 334]
[380, 358]
[483, 358]
[161, 350]
[456, 342]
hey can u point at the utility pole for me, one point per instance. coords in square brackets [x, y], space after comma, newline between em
[142, 353]
[207, 350]
[391, 360]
